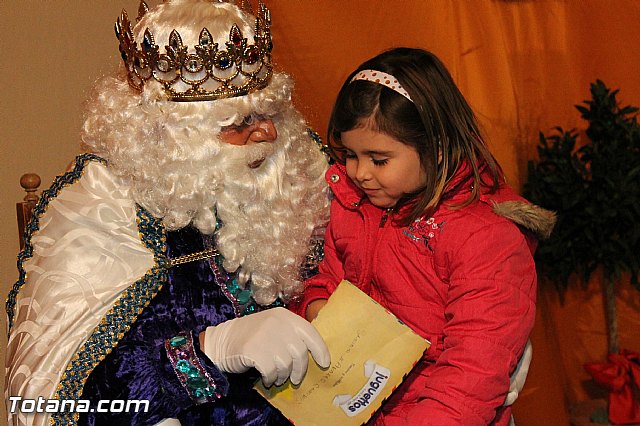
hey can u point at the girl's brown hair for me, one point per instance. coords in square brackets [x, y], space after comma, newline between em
[438, 122]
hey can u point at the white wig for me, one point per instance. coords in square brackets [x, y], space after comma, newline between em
[180, 171]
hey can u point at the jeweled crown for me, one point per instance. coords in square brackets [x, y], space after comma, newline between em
[208, 72]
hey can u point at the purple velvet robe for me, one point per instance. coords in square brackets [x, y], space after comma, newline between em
[138, 368]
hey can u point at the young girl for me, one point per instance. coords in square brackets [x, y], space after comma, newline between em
[423, 222]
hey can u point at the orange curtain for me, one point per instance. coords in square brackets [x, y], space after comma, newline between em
[522, 65]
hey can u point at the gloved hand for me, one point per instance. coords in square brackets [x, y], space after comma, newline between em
[274, 341]
[519, 376]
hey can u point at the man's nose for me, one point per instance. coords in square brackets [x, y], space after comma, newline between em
[265, 131]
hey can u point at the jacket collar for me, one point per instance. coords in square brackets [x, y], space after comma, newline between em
[348, 194]
[343, 188]
[351, 197]
[505, 201]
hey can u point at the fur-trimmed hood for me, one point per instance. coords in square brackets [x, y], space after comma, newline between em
[534, 218]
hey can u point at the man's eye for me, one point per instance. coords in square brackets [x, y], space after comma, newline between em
[248, 120]
[253, 118]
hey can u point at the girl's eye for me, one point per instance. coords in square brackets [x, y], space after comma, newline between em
[379, 162]
[349, 154]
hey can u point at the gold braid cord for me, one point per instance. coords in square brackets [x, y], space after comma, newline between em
[201, 255]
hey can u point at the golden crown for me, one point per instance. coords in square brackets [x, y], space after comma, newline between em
[206, 73]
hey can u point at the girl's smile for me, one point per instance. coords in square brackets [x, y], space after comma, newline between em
[384, 168]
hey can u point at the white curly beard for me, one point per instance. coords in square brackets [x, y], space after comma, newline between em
[268, 212]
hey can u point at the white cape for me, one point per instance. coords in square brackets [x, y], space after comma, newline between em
[87, 251]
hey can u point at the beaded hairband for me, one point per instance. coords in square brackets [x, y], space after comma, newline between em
[383, 78]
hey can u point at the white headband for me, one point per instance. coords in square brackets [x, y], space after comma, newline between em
[382, 78]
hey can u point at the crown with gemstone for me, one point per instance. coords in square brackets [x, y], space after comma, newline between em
[208, 72]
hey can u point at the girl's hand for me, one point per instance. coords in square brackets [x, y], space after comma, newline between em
[314, 307]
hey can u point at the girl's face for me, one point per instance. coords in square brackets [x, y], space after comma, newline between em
[383, 167]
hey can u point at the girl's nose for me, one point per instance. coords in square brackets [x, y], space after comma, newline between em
[264, 131]
[362, 171]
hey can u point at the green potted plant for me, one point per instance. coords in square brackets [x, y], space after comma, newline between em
[593, 183]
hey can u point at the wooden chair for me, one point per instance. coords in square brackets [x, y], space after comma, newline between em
[30, 182]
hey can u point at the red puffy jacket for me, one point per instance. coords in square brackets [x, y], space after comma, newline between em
[463, 279]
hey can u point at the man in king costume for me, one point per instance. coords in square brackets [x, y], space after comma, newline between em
[158, 267]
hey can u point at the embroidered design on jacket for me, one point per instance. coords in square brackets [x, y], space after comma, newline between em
[423, 231]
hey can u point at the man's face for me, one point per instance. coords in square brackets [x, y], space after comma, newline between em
[253, 130]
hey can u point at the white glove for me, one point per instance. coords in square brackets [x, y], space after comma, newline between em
[519, 376]
[274, 341]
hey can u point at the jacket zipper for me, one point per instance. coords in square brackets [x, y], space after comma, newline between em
[365, 280]
[384, 217]
[367, 275]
